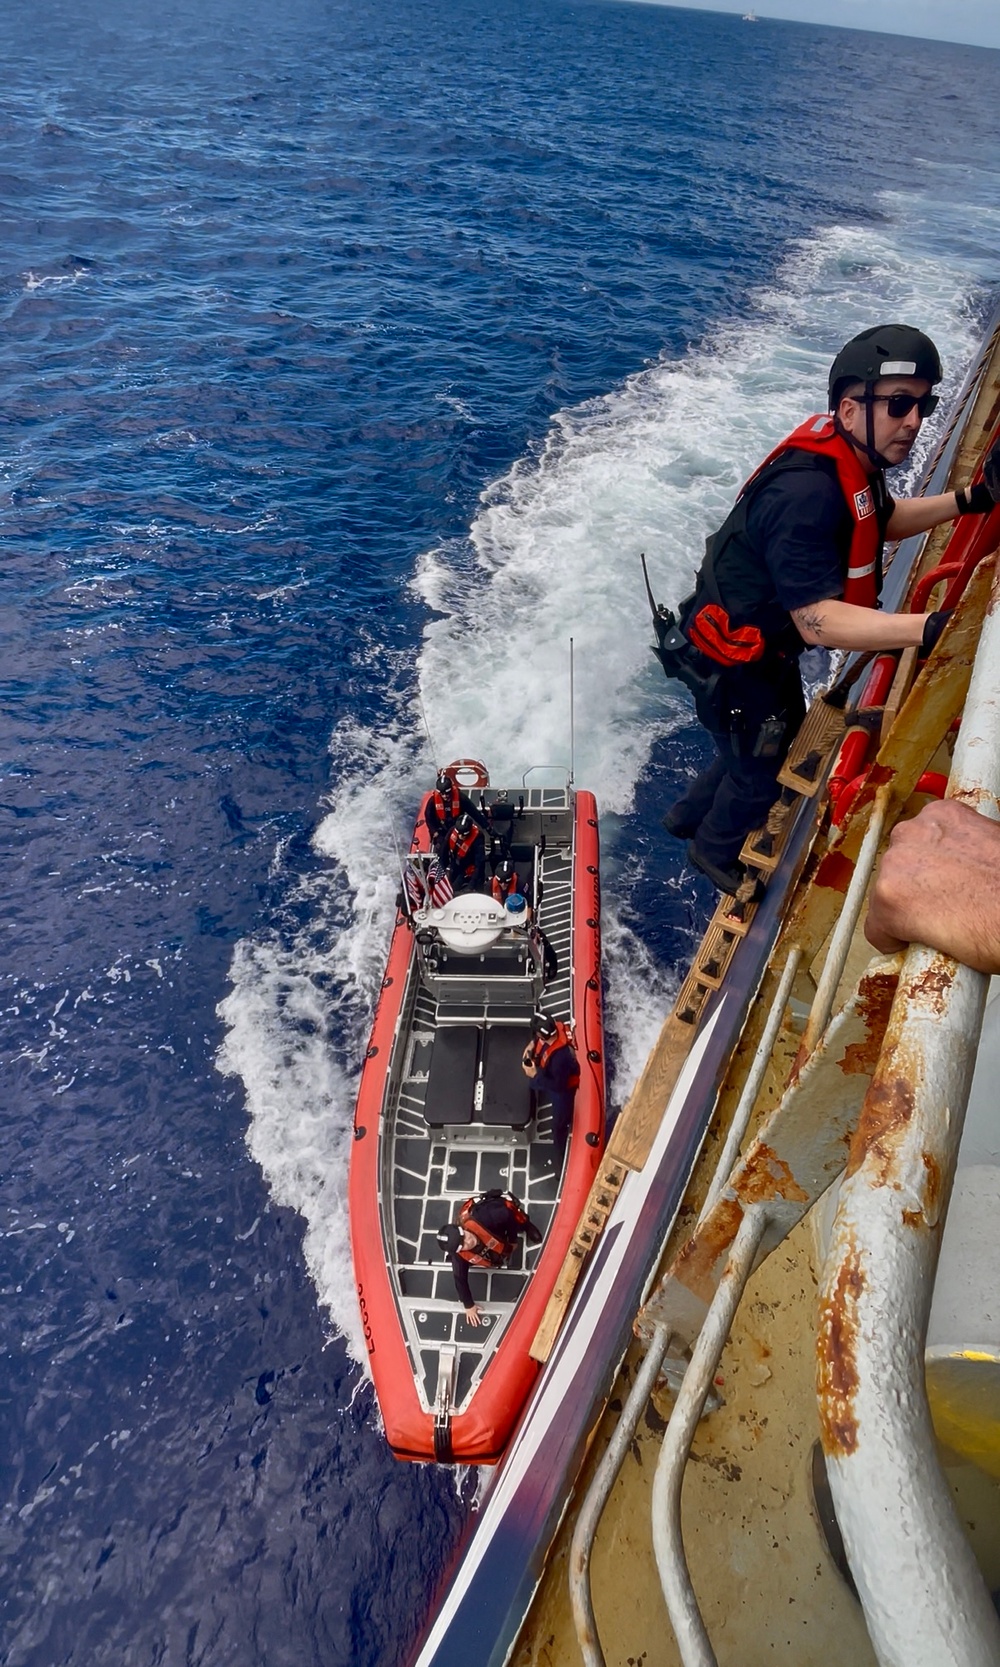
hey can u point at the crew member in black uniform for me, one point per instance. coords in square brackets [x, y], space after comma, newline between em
[444, 807]
[551, 1063]
[466, 855]
[484, 1236]
[799, 562]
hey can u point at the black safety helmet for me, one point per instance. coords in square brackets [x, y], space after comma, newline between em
[444, 782]
[505, 869]
[464, 823]
[545, 1024]
[449, 1237]
[885, 350]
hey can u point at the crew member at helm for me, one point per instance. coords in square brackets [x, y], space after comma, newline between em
[484, 1236]
[798, 562]
[504, 882]
[551, 1063]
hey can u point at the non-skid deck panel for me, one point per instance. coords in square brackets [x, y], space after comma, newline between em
[555, 917]
[442, 1175]
[437, 1176]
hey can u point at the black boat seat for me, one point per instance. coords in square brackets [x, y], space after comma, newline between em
[451, 1081]
[508, 1097]
[459, 1052]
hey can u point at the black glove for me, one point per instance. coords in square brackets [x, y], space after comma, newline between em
[978, 499]
[933, 626]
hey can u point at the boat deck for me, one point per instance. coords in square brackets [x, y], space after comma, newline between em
[439, 1158]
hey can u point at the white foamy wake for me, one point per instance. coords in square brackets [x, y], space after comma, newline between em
[552, 554]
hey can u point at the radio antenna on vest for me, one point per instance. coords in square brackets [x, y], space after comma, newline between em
[572, 726]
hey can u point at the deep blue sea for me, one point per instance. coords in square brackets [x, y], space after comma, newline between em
[351, 352]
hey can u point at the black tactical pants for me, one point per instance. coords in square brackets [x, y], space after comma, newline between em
[752, 719]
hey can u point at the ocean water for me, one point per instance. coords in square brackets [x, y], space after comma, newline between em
[351, 353]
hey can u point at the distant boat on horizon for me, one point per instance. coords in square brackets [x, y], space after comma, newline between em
[750, 17]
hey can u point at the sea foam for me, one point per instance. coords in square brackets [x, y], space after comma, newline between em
[552, 554]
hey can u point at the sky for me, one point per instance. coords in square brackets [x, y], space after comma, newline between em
[974, 22]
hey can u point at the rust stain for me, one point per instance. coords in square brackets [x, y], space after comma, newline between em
[875, 998]
[978, 797]
[935, 1181]
[928, 1215]
[834, 872]
[933, 986]
[696, 1262]
[837, 1371]
[801, 1058]
[887, 1109]
[767, 1176]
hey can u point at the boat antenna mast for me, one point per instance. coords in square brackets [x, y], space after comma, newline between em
[427, 728]
[572, 722]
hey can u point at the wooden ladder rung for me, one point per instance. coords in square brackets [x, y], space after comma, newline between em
[803, 769]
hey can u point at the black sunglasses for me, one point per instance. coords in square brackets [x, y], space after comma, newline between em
[900, 405]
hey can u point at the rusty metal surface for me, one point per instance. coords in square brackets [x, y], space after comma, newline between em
[800, 1149]
[924, 1600]
[668, 1542]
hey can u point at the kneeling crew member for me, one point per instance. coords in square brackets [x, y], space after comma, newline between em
[799, 562]
[484, 1236]
[550, 1061]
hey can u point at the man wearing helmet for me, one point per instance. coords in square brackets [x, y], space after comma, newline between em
[797, 563]
[484, 1236]
[466, 855]
[444, 807]
[550, 1061]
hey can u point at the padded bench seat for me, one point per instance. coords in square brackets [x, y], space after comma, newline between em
[508, 1096]
[508, 1100]
[451, 1082]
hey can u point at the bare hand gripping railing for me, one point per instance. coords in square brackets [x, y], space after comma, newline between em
[924, 1599]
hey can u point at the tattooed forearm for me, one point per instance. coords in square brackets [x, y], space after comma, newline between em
[809, 622]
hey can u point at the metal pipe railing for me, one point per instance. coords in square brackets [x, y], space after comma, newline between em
[843, 932]
[599, 1492]
[751, 1088]
[668, 1542]
[924, 1599]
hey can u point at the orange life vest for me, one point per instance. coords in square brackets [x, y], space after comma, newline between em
[461, 844]
[818, 434]
[545, 1046]
[493, 1252]
[447, 809]
[500, 894]
[710, 628]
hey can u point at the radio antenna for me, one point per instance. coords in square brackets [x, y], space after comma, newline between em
[427, 731]
[572, 723]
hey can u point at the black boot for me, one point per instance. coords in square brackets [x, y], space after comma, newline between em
[726, 880]
[677, 824]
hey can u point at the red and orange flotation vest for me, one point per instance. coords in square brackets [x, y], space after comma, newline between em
[710, 629]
